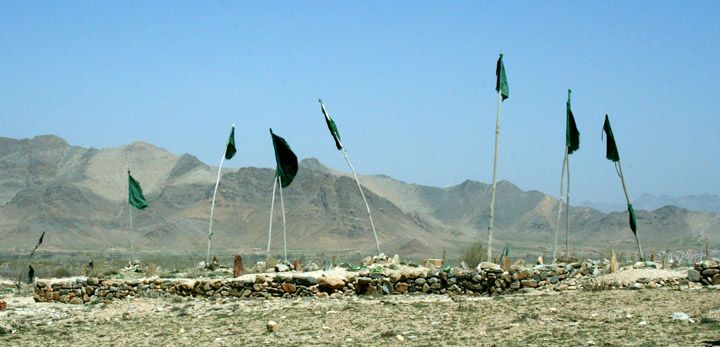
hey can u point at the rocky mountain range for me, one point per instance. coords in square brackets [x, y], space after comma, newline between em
[700, 203]
[78, 196]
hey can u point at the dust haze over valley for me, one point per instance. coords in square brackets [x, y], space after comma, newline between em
[78, 196]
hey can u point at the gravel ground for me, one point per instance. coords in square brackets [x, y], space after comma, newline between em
[583, 318]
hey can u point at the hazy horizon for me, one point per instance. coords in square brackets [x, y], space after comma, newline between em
[411, 87]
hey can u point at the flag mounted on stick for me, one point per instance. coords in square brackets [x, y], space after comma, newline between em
[230, 146]
[230, 151]
[501, 84]
[503, 90]
[40, 241]
[336, 136]
[137, 200]
[331, 126]
[285, 171]
[287, 163]
[613, 155]
[572, 144]
[135, 194]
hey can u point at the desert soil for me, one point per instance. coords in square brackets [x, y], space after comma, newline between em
[601, 318]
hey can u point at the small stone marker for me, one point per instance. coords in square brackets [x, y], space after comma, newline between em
[238, 269]
[297, 265]
[505, 263]
[432, 262]
[613, 263]
[3, 305]
[272, 326]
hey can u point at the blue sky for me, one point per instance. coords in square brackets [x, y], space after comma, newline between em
[410, 85]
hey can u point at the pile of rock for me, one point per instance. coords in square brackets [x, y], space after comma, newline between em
[705, 272]
[487, 279]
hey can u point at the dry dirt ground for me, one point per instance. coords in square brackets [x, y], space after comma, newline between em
[582, 318]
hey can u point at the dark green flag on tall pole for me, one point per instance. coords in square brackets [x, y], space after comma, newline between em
[572, 144]
[230, 147]
[285, 171]
[331, 126]
[572, 135]
[336, 136]
[501, 84]
[230, 151]
[135, 194]
[287, 163]
[612, 154]
[503, 90]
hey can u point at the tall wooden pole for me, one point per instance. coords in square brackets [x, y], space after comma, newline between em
[367, 207]
[567, 212]
[212, 210]
[492, 194]
[272, 206]
[618, 168]
[282, 208]
[132, 246]
[560, 204]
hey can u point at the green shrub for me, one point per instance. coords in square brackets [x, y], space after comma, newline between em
[474, 255]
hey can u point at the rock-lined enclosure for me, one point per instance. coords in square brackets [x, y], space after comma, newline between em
[705, 272]
[487, 279]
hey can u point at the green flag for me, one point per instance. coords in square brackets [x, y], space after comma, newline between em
[612, 151]
[331, 126]
[287, 164]
[501, 85]
[572, 135]
[633, 221]
[230, 149]
[135, 194]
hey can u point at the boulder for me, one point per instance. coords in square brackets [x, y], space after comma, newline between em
[3, 305]
[710, 272]
[288, 288]
[694, 275]
[330, 282]
[531, 283]
[401, 287]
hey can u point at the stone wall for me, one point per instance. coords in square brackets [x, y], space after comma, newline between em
[488, 279]
[705, 272]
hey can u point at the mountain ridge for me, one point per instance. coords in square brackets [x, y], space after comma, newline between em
[78, 195]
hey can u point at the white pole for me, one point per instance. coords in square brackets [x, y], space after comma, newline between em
[567, 212]
[560, 204]
[212, 210]
[272, 206]
[618, 168]
[372, 225]
[282, 208]
[132, 246]
[492, 195]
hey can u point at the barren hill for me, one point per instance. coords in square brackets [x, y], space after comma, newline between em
[78, 196]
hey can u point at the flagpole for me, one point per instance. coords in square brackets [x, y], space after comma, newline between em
[492, 198]
[212, 210]
[132, 246]
[272, 206]
[618, 168]
[362, 194]
[567, 212]
[560, 204]
[282, 208]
